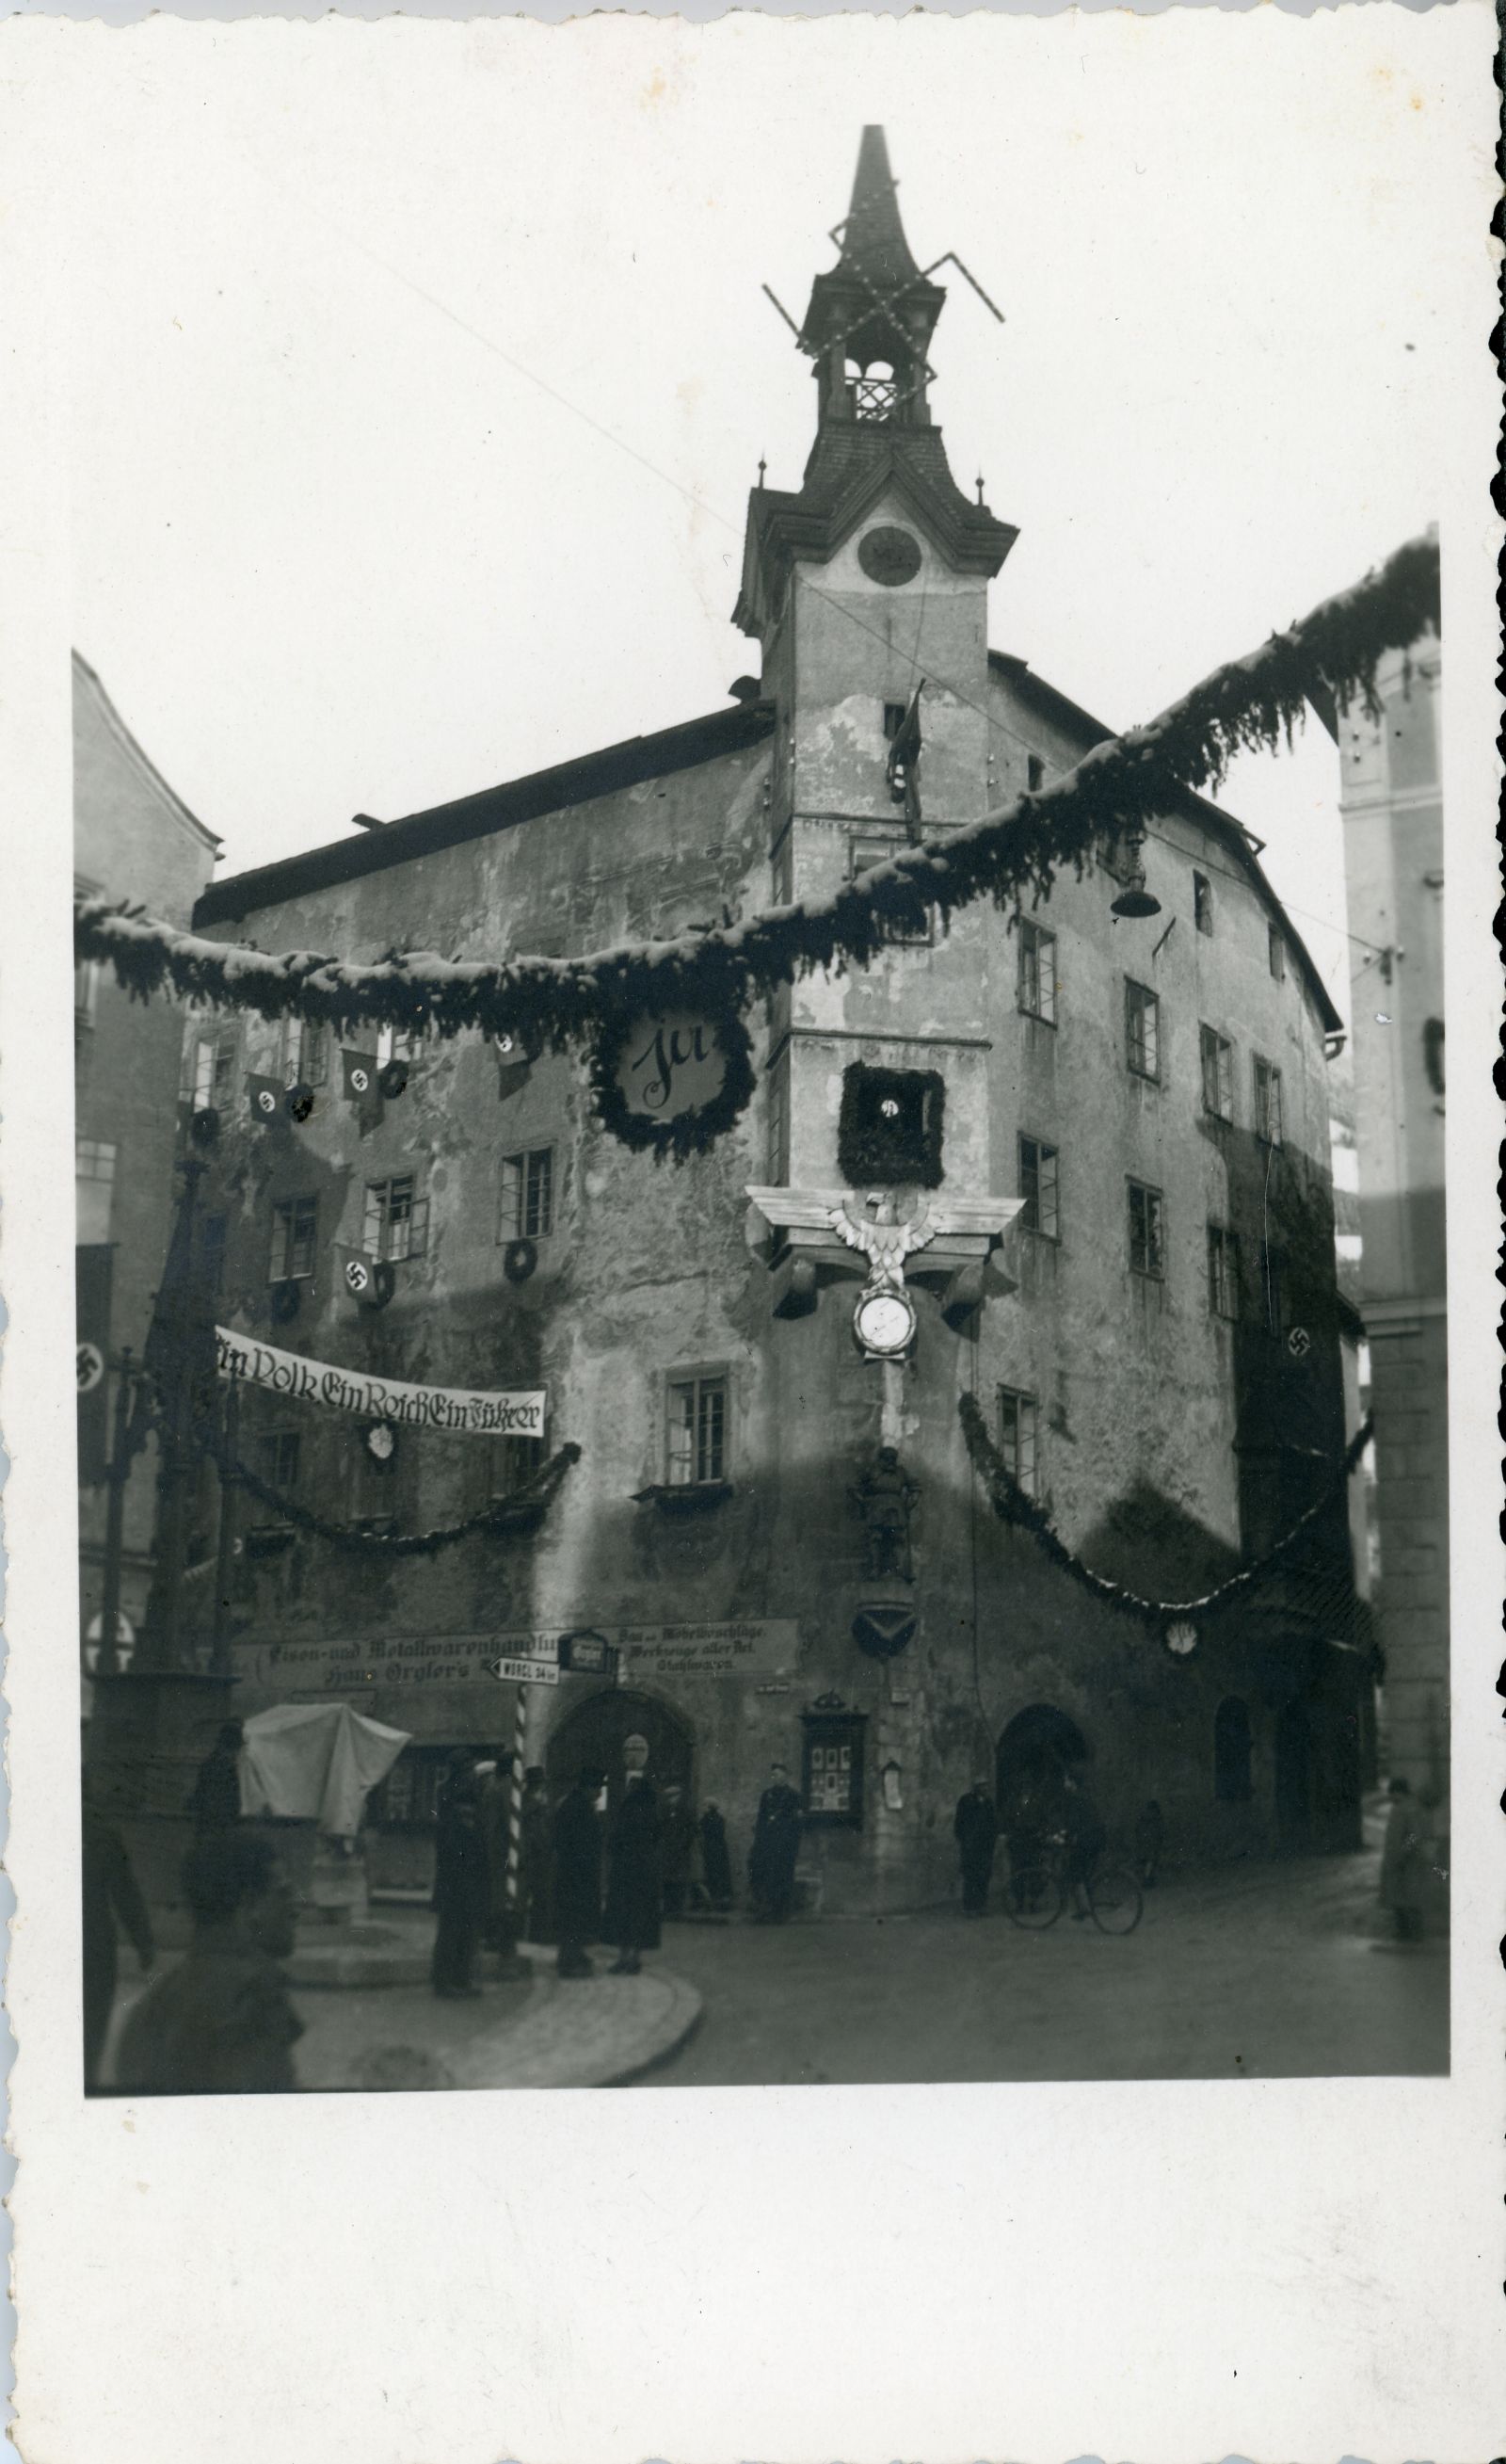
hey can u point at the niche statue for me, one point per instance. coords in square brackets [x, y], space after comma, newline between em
[883, 1498]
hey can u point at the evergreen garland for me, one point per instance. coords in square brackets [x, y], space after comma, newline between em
[1117, 787]
[500, 1515]
[1013, 1506]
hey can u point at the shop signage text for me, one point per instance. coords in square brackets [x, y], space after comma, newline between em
[316, 1664]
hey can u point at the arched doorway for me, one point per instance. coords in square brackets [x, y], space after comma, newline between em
[1035, 1749]
[599, 1730]
[1293, 1776]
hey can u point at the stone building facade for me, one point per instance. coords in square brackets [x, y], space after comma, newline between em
[1139, 1107]
[1392, 810]
[131, 833]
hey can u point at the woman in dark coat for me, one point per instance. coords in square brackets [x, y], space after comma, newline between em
[577, 1873]
[461, 1899]
[635, 1876]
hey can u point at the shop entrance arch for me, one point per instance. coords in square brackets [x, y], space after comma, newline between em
[1039, 1745]
[620, 1730]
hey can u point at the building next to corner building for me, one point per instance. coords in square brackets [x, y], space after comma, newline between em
[1121, 1128]
[133, 836]
[1392, 812]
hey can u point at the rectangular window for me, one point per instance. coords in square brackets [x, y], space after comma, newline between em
[1037, 973]
[294, 1234]
[1020, 1445]
[894, 718]
[1038, 1187]
[395, 1221]
[211, 1251]
[1035, 770]
[1223, 1271]
[1219, 1073]
[1267, 1103]
[398, 1043]
[1142, 1029]
[863, 853]
[94, 1190]
[527, 1210]
[696, 1435]
[515, 1461]
[209, 1068]
[305, 1052]
[778, 1156]
[1276, 953]
[276, 1460]
[833, 1771]
[1146, 1232]
[1202, 902]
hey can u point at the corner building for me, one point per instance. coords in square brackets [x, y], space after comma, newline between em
[1139, 1108]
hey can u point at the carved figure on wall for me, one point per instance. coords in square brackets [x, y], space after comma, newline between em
[885, 1497]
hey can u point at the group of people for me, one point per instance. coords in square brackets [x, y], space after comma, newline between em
[1044, 1813]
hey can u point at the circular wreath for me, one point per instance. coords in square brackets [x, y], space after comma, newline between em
[685, 1133]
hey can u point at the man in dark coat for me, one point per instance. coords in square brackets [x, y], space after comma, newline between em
[111, 1895]
[460, 1897]
[716, 1864]
[215, 1804]
[221, 2023]
[975, 1829]
[635, 1875]
[578, 1872]
[679, 1844]
[775, 1846]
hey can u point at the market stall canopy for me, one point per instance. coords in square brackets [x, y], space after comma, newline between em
[317, 1760]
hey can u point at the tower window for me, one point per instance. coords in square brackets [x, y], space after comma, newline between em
[1202, 902]
[695, 1447]
[1035, 770]
[865, 853]
[872, 389]
[889, 1128]
[893, 720]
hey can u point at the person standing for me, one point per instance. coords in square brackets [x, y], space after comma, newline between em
[460, 1897]
[215, 1803]
[635, 1875]
[975, 1829]
[1084, 1835]
[535, 1858]
[578, 1872]
[111, 1896]
[716, 1865]
[776, 1847]
[679, 1844]
[222, 2022]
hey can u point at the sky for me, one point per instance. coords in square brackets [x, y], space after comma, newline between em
[416, 386]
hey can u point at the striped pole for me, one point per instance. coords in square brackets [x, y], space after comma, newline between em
[514, 1803]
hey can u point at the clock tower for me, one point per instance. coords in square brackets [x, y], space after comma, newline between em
[867, 589]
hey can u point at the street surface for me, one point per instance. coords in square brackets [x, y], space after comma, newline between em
[1261, 1971]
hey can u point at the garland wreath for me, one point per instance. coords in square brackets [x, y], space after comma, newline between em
[518, 1512]
[682, 1134]
[716, 971]
[1012, 1505]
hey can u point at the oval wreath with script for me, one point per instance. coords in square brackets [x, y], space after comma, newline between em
[669, 1084]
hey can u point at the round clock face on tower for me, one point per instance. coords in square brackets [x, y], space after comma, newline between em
[890, 555]
[884, 1322]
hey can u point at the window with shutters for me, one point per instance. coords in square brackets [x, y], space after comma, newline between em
[1038, 1187]
[1146, 1232]
[1219, 1073]
[1037, 988]
[395, 1221]
[1142, 1029]
[527, 1210]
[1019, 1437]
[696, 1433]
[295, 1236]
[1267, 1102]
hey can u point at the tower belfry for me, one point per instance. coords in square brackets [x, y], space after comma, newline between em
[870, 320]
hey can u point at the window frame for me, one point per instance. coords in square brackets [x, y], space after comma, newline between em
[512, 1463]
[1032, 1213]
[1141, 1005]
[514, 1201]
[1276, 953]
[1017, 1416]
[303, 1052]
[702, 1471]
[211, 1089]
[1212, 1045]
[1267, 1083]
[1153, 1215]
[1202, 903]
[294, 1233]
[377, 1222]
[1037, 942]
[895, 935]
[1225, 1274]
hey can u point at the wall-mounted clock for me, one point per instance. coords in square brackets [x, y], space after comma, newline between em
[890, 554]
[884, 1322]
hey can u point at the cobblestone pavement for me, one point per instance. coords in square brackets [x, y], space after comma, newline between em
[1253, 1971]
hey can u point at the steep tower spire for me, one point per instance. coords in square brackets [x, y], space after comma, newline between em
[870, 320]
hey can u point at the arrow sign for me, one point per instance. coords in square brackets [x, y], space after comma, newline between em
[524, 1672]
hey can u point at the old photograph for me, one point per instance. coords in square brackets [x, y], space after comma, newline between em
[761, 1327]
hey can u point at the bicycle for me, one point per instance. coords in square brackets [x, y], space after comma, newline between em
[1035, 1898]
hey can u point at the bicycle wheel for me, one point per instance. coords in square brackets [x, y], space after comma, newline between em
[1114, 1896]
[1034, 1899]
